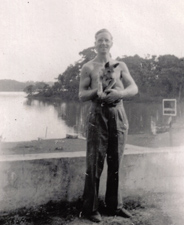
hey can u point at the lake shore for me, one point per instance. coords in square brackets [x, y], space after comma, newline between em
[42, 146]
[138, 98]
[134, 142]
[173, 138]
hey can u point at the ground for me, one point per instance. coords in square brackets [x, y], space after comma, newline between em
[147, 210]
[150, 209]
[42, 146]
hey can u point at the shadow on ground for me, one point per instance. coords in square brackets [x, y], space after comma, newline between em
[146, 210]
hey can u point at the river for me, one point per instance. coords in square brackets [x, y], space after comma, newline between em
[24, 120]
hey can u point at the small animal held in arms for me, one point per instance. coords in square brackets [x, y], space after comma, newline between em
[106, 80]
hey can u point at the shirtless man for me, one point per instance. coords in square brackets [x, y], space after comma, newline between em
[107, 128]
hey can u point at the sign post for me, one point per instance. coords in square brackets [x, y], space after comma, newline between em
[169, 107]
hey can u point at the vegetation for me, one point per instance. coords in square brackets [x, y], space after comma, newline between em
[146, 210]
[38, 87]
[161, 76]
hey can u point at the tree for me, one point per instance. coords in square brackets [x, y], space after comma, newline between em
[142, 70]
[87, 54]
[68, 82]
[29, 89]
[155, 76]
[171, 75]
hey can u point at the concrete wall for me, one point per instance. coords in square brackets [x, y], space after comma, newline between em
[35, 179]
[153, 172]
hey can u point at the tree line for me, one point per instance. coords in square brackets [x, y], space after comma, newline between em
[156, 76]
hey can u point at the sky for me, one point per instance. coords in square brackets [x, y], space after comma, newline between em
[39, 39]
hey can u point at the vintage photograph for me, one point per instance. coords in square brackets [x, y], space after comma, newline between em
[91, 112]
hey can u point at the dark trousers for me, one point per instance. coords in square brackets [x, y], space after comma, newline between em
[106, 136]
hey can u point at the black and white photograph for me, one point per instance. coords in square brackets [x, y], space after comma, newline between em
[91, 112]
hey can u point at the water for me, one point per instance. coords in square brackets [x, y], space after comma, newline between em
[23, 120]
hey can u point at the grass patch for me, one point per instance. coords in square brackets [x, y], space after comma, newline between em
[146, 210]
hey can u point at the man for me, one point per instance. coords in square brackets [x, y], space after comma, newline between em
[107, 127]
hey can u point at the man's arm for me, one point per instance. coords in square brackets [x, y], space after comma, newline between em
[86, 94]
[131, 88]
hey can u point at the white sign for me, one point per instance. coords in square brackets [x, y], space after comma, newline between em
[169, 107]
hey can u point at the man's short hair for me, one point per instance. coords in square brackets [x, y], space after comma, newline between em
[103, 31]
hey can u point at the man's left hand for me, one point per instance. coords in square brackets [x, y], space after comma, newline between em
[112, 96]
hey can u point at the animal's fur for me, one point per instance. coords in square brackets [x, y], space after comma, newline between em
[106, 80]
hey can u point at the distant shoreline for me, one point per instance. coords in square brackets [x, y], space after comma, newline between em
[142, 98]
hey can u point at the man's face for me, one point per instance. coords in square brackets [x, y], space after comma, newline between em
[103, 42]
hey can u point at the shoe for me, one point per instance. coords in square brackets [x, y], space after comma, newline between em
[109, 211]
[95, 217]
[123, 213]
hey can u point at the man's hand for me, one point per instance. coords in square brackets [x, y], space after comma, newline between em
[112, 96]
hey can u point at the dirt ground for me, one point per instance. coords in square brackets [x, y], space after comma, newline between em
[152, 209]
[42, 146]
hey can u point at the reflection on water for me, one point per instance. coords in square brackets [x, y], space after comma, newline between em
[24, 119]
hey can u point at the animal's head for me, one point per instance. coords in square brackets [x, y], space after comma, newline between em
[109, 69]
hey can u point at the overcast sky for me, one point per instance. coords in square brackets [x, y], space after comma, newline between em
[40, 38]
